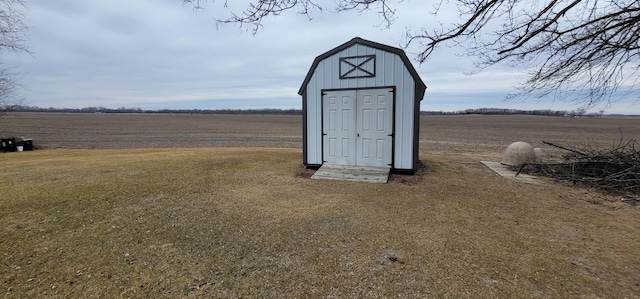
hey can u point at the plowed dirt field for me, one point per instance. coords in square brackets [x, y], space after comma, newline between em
[483, 135]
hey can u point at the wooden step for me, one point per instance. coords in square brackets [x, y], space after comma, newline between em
[353, 173]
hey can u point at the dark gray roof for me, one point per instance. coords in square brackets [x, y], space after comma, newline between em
[420, 86]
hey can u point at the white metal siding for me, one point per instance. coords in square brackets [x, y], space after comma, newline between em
[390, 71]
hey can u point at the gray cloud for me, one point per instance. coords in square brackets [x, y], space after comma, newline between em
[160, 54]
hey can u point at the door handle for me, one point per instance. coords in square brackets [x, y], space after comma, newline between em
[358, 134]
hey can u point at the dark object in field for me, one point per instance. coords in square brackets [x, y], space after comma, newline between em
[8, 145]
[27, 144]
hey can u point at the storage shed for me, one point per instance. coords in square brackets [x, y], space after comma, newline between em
[361, 107]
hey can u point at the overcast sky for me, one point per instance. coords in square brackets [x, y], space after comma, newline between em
[157, 54]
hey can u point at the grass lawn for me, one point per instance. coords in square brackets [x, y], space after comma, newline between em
[240, 222]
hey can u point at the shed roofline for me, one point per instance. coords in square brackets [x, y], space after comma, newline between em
[420, 86]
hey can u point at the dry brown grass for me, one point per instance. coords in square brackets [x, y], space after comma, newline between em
[239, 222]
[231, 222]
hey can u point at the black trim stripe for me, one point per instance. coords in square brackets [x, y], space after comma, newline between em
[305, 138]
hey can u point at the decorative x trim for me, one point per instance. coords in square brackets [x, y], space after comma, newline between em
[358, 67]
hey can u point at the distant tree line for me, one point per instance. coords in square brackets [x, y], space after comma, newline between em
[274, 111]
[504, 111]
[100, 109]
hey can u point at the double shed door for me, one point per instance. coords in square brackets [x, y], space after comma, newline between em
[357, 127]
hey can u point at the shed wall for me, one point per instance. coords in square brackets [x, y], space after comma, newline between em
[390, 71]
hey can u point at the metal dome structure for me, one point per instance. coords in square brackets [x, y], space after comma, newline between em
[518, 153]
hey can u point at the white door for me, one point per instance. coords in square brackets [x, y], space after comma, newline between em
[339, 127]
[374, 127]
[357, 127]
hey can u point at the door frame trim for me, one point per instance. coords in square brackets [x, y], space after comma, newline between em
[393, 117]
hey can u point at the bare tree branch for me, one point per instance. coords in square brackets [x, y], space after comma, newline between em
[578, 50]
[587, 51]
[13, 31]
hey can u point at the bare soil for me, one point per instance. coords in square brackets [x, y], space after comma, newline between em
[125, 131]
[483, 135]
[489, 135]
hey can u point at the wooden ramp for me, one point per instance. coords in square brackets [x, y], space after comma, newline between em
[353, 173]
[510, 174]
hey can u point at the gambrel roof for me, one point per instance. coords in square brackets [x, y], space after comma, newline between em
[420, 86]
